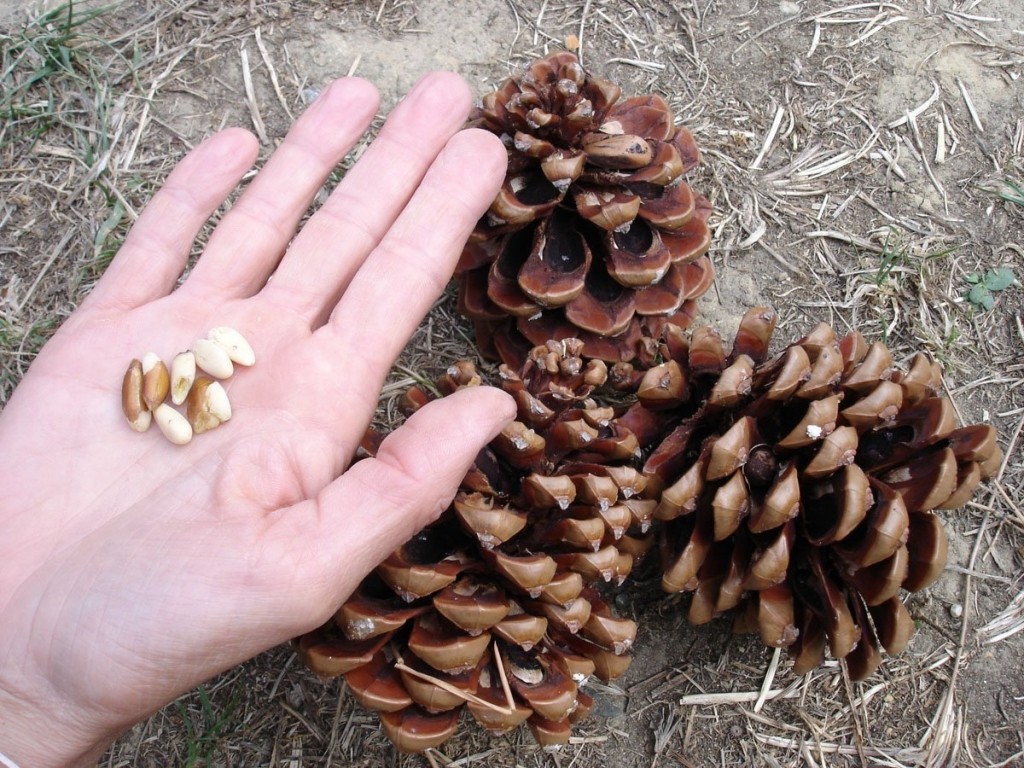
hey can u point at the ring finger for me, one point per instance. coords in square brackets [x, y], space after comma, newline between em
[245, 247]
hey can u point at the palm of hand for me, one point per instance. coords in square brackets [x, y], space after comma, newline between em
[136, 568]
[216, 512]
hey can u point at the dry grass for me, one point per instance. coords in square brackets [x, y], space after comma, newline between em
[864, 159]
[81, 150]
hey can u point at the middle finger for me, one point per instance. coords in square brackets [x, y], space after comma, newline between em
[410, 268]
[333, 244]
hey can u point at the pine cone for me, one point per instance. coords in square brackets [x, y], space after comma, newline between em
[594, 229]
[493, 608]
[796, 492]
[799, 490]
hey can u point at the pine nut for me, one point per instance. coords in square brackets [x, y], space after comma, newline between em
[207, 405]
[212, 358]
[174, 426]
[132, 404]
[156, 381]
[237, 347]
[183, 373]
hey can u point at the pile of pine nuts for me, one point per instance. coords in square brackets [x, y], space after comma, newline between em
[148, 383]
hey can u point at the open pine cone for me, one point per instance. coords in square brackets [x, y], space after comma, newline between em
[493, 608]
[795, 492]
[594, 229]
[799, 490]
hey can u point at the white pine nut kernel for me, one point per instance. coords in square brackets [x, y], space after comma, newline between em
[183, 373]
[212, 358]
[217, 401]
[238, 349]
[174, 426]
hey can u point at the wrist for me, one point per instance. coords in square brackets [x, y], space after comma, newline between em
[36, 732]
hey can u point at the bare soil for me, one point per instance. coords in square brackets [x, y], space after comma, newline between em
[855, 154]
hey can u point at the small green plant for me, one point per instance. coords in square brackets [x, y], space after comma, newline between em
[983, 286]
[35, 63]
[1010, 190]
[108, 238]
[205, 730]
[894, 254]
[899, 257]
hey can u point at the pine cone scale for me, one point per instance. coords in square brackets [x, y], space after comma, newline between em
[378, 686]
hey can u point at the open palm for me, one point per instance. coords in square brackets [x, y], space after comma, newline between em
[132, 569]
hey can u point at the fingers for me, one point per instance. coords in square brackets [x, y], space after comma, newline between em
[156, 249]
[247, 244]
[380, 503]
[406, 273]
[332, 245]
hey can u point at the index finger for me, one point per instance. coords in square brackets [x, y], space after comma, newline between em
[405, 274]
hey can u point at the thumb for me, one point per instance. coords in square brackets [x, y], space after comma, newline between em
[380, 503]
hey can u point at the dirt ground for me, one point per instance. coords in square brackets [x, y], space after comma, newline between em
[861, 158]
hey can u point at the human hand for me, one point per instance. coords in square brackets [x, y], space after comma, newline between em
[132, 569]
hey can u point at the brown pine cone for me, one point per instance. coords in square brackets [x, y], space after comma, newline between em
[796, 492]
[799, 490]
[493, 607]
[594, 229]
